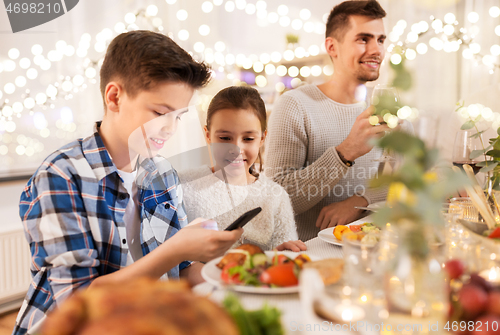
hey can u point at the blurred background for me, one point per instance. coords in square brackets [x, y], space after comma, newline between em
[438, 52]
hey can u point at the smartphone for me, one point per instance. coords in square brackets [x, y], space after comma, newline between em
[244, 219]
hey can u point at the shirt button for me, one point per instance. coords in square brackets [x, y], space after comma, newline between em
[124, 241]
[167, 205]
[122, 196]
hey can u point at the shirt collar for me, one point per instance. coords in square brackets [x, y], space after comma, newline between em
[96, 154]
[146, 171]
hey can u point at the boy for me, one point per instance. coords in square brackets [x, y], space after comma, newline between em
[105, 208]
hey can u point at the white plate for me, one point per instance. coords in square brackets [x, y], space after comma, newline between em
[211, 273]
[327, 234]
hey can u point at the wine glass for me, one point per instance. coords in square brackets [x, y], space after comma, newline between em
[465, 143]
[386, 101]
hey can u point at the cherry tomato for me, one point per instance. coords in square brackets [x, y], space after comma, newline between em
[281, 259]
[495, 233]
[280, 275]
[355, 228]
[227, 278]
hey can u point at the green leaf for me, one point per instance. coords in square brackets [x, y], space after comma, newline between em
[476, 135]
[493, 153]
[475, 154]
[498, 131]
[403, 143]
[488, 168]
[482, 164]
[467, 125]
[265, 321]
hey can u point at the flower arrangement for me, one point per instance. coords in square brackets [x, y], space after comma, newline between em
[474, 116]
[415, 194]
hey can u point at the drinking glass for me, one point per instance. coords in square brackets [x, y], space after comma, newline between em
[414, 282]
[465, 143]
[462, 243]
[362, 269]
[451, 212]
[386, 101]
[362, 278]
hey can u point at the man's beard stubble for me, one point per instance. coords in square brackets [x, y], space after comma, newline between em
[368, 76]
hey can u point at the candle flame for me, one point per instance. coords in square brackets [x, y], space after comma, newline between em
[493, 274]
[347, 314]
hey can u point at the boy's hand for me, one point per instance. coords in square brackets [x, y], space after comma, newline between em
[292, 245]
[197, 243]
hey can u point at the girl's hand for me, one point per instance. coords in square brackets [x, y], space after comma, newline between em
[292, 245]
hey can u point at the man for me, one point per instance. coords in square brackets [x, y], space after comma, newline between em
[319, 144]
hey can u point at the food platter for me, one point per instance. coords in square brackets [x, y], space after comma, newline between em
[212, 274]
[327, 234]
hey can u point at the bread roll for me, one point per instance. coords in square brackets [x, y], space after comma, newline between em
[330, 269]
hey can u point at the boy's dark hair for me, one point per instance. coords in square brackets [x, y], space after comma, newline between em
[141, 59]
[338, 20]
[240, 97]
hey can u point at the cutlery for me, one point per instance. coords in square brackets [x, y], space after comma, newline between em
[477, 197]
[366, 208]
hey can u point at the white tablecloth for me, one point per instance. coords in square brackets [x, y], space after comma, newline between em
[289, 304]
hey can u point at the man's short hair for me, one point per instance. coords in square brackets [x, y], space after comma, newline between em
[338, 20]
[142, 59]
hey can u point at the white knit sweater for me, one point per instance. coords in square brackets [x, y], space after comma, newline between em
[304, 129]
[207, 196]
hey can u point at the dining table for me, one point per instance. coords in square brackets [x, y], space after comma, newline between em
[289, 304]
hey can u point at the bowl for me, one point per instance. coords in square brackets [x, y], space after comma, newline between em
[477, 229]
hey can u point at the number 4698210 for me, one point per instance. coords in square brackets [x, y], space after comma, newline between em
[33, 8]
[471, 326]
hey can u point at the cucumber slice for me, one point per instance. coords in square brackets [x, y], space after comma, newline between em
[259, 259]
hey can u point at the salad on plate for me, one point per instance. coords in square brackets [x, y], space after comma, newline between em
[365, 233]
[249, 265]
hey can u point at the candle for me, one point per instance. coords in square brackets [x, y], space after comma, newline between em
[492, 275]
[349, 312]
[339, 311]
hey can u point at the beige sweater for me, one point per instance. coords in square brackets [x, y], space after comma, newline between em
[205, 195]
[304, 129]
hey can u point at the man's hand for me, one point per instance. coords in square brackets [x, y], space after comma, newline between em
[341, 213]
[293, 246]
[197, 243]
[357, 142]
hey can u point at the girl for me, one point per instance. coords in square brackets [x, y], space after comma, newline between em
[235, 131]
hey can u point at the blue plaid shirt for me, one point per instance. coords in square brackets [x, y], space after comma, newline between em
[72, 209]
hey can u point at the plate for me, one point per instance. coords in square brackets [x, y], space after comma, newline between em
[376, 205]
[477, 229]
[327, 234]
[211, 273]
